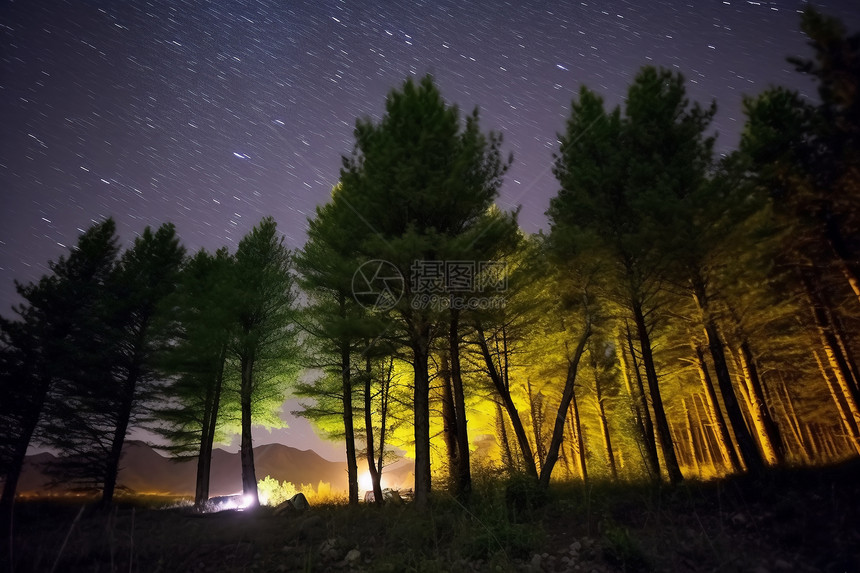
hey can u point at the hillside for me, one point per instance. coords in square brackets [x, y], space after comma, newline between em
[145, 470]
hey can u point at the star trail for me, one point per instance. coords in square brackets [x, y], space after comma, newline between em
[213, 114]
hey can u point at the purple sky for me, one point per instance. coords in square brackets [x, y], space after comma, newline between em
[214, 114]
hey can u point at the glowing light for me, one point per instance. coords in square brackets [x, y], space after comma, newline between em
[365, 483]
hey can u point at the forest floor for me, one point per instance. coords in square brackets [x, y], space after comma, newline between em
[791, 520]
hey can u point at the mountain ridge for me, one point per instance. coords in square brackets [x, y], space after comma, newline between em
[144, 470]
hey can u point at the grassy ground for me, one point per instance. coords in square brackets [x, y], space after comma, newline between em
[800, 520]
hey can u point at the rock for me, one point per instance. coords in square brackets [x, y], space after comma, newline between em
[535, 563]
[352, 556]
[392, 496]
[285, 508]
[330, 550]
[783, 565]
[300, 502]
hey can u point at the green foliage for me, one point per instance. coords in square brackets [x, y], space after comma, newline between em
[275, 493]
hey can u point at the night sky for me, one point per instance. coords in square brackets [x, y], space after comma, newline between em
[214, 114]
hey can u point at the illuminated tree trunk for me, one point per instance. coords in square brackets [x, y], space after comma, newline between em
[580, 442]
[464, 473]
[838, 362]
[813, 443]
[721, 432]
[848, 422]
[748, 451]
[449, 423]
[694, 454]
[572, 454]
[503, 390]
[374, 466]
[640, 409]
[502, 434]
[707, 438]
[793, 421]
[567, 398]
[604, 429]
[660, 422]
[840, 337]
[246, 444]
[768, 435]
[682, 449]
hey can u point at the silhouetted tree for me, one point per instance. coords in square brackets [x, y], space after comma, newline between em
[199, 312]
[43, 346]
[113, 380]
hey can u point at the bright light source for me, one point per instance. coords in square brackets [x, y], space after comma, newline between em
[365, 483]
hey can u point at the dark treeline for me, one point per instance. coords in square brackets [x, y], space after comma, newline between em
[685, 316]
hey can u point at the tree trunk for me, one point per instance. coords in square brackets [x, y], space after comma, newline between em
[566, 398]
[787, 406]
[604, 429]
[844, 258]
[19, 452]
[508, 402]
[464, 473]
[707, 439]
[348, 423]
[449, 420]
[246, 443]
[838, 362]
[766, 429]
[502, 435]
[640, 410]
[840, 336]
[372, 468]
[721, 432]
[695, 453]
[661, 423]
[580, 442]
[420, 344]
[207, 436]
[128, 389]
[848, 422]
[749, 453]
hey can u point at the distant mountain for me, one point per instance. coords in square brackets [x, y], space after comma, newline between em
[145, 470]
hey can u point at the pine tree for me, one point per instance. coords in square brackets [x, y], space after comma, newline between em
[341, 331]
[420, 180]
[102, 399]
[264, 341]
[612, 171]
[42, 348]
[189, 416]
